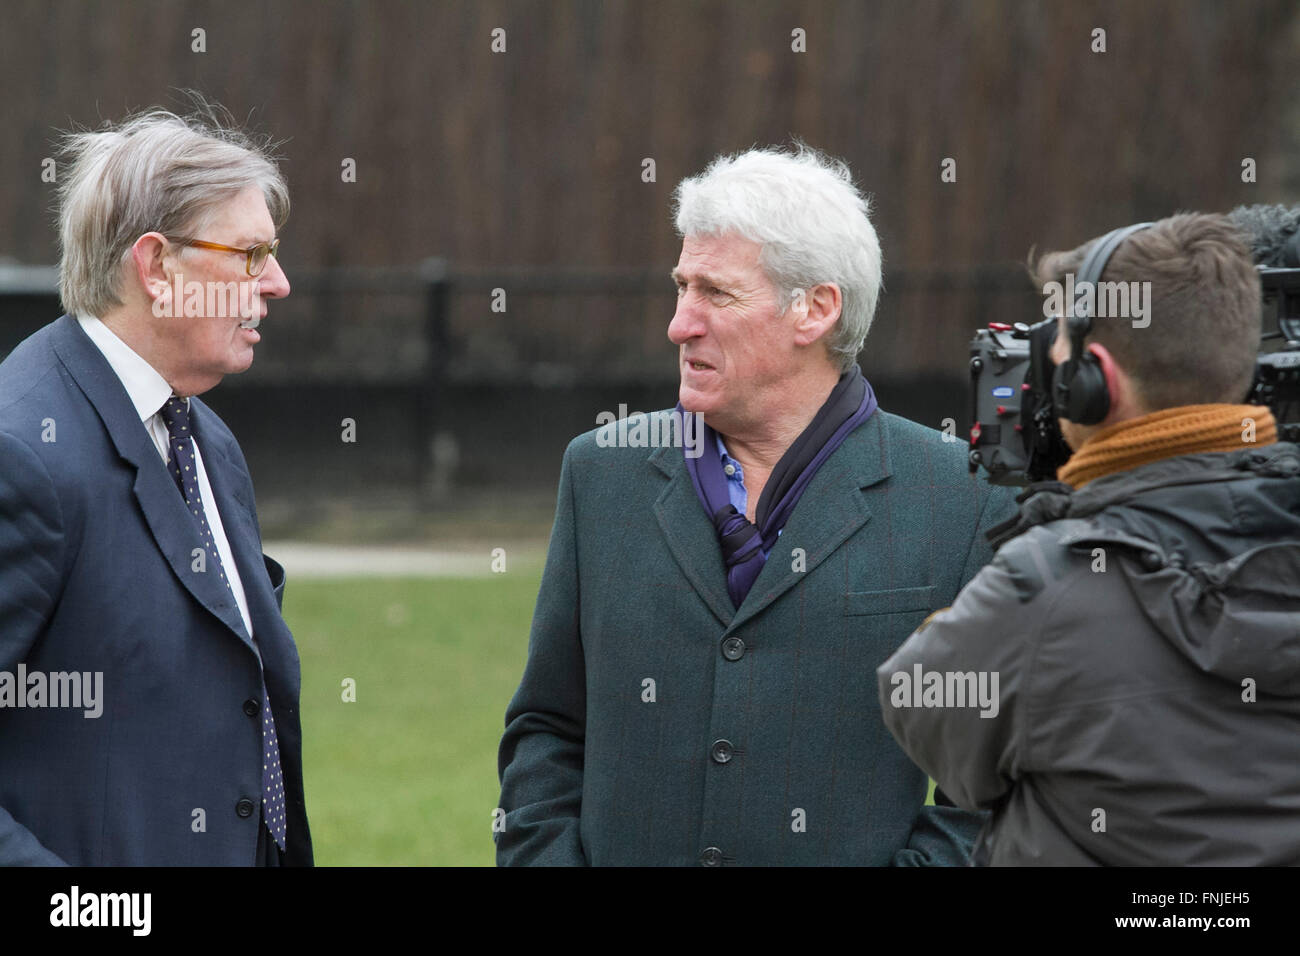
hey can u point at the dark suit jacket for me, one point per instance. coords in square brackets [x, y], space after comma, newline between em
[96, 574]
[657, 724]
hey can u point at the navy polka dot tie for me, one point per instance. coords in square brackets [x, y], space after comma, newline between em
[182, 465]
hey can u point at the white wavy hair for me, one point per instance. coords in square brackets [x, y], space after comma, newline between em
[813, 223]
[154, 172]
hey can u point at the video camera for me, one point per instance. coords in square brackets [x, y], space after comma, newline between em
[1016, 437]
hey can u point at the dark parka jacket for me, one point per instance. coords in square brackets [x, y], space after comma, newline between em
[1145, 635]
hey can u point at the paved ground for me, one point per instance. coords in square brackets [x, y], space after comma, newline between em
[306, 560]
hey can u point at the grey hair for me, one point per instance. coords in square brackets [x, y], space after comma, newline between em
[813, 223]
[154, 172]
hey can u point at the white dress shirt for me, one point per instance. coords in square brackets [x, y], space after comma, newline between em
[149, 392]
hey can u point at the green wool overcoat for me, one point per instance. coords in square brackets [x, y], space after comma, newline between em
[656, 724]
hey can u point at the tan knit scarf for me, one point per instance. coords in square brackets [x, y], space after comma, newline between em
[1186, 430]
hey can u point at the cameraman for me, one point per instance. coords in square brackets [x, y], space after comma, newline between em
[1139, 631]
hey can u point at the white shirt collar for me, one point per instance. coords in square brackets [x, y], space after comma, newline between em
[147, 389]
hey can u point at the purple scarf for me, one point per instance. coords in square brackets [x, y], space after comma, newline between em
[743, 543]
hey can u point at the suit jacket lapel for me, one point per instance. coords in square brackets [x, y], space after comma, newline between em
[174, 529]
[832, 508]
[245, 544]
[690, 534]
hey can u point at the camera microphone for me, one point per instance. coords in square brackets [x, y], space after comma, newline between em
[1272, 232]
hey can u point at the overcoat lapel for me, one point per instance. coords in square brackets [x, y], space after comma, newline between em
[833, 507]
[690, 534]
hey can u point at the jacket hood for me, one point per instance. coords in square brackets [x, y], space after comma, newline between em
[1213, 548]
[1237, 619]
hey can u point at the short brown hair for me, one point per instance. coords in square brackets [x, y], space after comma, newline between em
[1203, 337]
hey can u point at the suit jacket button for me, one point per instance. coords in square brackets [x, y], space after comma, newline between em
[711, 856]
[245, 807]
[733, 648]
[721, 751]
[252, 708]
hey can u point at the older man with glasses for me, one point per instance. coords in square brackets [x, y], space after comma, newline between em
[152, 707]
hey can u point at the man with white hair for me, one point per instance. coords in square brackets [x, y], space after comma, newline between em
[699, 686]
[148, 684]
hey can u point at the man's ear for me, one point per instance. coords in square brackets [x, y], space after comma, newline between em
[816, 311]
[151, 270]
[1125, 402]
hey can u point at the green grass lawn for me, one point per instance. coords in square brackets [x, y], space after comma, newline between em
[406, 775]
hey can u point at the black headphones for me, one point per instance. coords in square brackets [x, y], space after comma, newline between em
[1078, 384]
